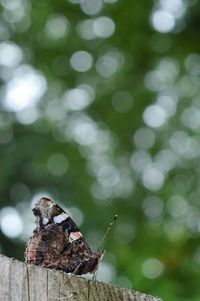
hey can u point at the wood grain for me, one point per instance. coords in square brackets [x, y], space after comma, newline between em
[21, 282]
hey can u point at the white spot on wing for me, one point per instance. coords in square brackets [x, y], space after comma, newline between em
[60, 218]
[74, 236]
[45, 221]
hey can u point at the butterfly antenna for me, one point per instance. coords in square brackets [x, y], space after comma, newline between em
[107, 231]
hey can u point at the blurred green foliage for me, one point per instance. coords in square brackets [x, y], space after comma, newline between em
[100, 110]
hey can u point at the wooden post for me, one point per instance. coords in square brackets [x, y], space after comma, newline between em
[21, 282]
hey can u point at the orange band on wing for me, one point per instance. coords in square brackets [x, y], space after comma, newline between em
[74, 236]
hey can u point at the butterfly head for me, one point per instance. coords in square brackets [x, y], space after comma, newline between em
[44, 210]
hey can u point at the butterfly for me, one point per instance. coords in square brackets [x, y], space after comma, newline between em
[57, 242]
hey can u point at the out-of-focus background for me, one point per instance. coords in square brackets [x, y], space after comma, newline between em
[100, 110]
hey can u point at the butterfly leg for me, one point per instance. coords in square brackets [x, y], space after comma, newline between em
[94, 277]
[74, 272]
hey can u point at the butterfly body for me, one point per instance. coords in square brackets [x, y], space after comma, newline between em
[57, 242]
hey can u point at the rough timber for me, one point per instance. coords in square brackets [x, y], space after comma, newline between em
[21, 282]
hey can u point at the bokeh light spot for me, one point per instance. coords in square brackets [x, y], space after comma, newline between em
[166, 159]
[139, 160]
[27, 115]
[163, 21]
[57, 26]
[177, 206]
[10, 222]
[122, 101]
[103, 27]
[10, 4]
[77, 99]
[106, 272]
[56, 110]
[152, 268]
[153, 206]
[180, 142]
[85, 29]
[191, 117]
[10, 54]
[25, 88]
[153, 178]
[176, 7]
[81, 61]
[154, 116]
[108, 175]
[91, 7]
[106, 65]
[57, 165]
[192, 64]
[144, 138]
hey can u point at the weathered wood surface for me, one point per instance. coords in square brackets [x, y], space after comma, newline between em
[19, 282]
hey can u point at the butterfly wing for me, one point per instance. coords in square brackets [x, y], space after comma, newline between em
[57, 241]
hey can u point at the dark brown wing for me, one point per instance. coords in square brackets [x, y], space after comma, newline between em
[50, 247]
